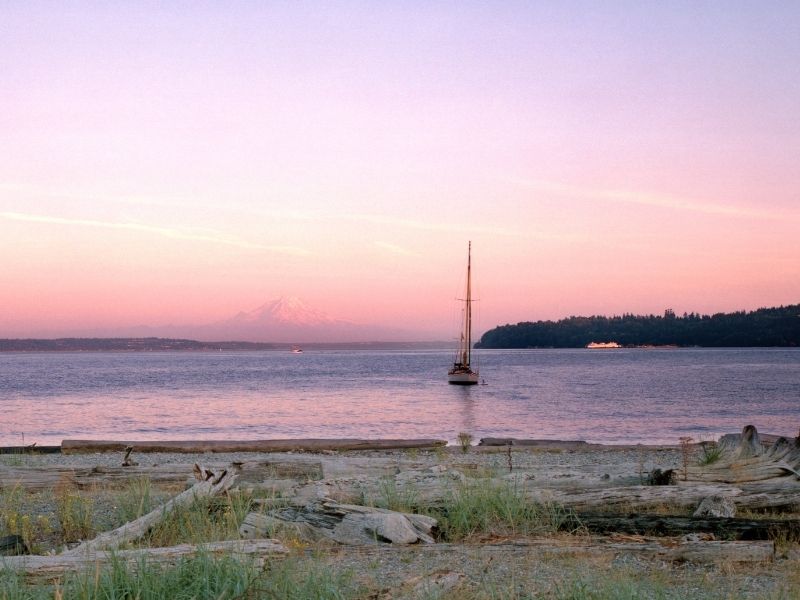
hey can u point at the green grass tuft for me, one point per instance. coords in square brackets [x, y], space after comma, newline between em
[712, 452]
[201, 577]
[480, 507]
[204, 520]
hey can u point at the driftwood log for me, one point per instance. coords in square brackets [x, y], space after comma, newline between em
[560, 444]
[40, 567]
[209, 483]
[200, 446]
[343, 523]
[668, 550]
[434, 491]
[30, 449]
[251, 472]
[782, 495]
[720, 527]
[744, 458]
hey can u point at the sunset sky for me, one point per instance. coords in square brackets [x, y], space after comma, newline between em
[179, 162]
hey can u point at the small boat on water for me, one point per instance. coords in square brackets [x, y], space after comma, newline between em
[297, 350]
[462, 373]
[602, 345]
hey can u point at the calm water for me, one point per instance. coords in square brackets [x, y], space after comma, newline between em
[648, 396]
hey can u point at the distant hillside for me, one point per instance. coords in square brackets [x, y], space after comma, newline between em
[148, 344]
[763, 327]
[156, 344]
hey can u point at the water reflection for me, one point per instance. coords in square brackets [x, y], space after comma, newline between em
[467, 403]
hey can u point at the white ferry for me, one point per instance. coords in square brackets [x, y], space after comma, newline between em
[602, 345]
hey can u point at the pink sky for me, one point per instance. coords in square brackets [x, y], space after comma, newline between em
[179, 163]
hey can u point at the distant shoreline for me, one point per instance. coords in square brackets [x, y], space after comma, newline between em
[155, 344]
[137, 345]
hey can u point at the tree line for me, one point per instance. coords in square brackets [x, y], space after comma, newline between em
[763, 327]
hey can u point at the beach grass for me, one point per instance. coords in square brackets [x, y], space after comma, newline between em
[206, 519]
[712, 452]
[135, 500]
[16, 520]
[74, 512]
[198, 578]
[487, 508]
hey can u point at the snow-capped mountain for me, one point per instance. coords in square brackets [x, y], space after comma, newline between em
[282, 320]
[290, 320]
[289, 310]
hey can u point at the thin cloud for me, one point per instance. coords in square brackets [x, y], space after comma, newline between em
[648, 199]
[394, 249]
[208, 236]
[410, 223]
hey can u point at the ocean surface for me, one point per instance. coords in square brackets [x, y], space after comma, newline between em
[645, 396]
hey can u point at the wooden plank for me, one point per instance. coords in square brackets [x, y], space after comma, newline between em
[202, 446]
[49, 567]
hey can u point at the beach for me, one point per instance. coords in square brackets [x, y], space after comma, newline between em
[515, 558]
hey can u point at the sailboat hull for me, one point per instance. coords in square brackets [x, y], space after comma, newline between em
[462, 378]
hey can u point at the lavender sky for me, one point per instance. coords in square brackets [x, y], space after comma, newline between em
[175, 162]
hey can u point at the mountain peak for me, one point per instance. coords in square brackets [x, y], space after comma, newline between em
[288, 310]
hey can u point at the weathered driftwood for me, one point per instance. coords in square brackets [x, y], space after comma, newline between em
[210, 483]
[664, 549]
[30, 449]
[48, 567]
[744, 458]
[251, 473]
[343, 523]
[781, 495]
[561, 444]
[721, 527]
[670, 550]
[128, 461]
[429, 489]
[200, 446]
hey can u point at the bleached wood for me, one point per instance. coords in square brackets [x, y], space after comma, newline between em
[344, 523]
[744, 458]
[728, 528]
[201, 446]
[668, 550]
[671, 550]
[638, 498]
[209, 483]
[34, 479]
[59, 564]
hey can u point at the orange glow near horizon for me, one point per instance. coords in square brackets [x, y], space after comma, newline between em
[172, 168]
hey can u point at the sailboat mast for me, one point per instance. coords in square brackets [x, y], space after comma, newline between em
[468, 349]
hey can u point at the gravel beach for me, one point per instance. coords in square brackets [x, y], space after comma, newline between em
[487, 566]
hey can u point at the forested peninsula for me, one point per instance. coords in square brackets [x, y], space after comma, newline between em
[763, 327]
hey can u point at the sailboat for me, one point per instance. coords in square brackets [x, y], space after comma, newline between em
[462, 373]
